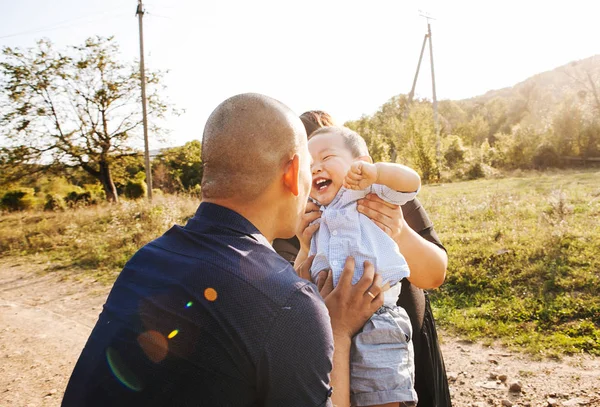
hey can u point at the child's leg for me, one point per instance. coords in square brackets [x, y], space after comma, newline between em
[381, 368]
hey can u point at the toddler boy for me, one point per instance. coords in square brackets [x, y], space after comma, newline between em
[382, 367]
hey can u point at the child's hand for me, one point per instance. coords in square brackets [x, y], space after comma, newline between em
[361, 175]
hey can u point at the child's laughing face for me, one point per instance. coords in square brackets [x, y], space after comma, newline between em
[331, 160]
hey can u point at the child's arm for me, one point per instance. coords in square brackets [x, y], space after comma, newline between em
[397, 177]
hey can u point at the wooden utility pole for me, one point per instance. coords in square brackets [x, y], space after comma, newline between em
[436, 126]
[411, 95]
[140, 14]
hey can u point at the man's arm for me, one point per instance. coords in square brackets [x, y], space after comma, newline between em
[350, 306]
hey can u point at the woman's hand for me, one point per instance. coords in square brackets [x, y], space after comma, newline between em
[306, 230]
[387, 216]
[427, 261]
[303, 268]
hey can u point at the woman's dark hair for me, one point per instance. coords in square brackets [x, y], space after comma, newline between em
[315, 119]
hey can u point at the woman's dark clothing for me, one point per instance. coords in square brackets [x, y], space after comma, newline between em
[431, 383]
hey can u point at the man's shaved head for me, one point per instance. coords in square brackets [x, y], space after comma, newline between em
[247, 140]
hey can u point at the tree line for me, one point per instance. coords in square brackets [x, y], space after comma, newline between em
[74, 113]
[550, 120]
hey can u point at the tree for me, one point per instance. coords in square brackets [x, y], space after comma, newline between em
[419, 151]
[568, 125]
[78, 108]
[378, 145]
[184, 164]
[586, 77]
[382, 130]
[475, 130]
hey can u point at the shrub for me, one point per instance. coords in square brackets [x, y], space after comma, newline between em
[454, 151]
[17, 200]
[58, 186]
[545, 156]
[54, 203]
[196, 191]
[75, 198]
[98, 193]
[475, 171]
[135, 189]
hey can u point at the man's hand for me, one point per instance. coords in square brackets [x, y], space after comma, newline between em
[361, 175]
[350, 306]
[387, 216]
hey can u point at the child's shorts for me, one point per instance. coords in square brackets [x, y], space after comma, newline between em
[382, 368]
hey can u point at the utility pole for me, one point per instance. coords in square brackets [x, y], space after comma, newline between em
[436, 125]
[411, 95]
[140, 14]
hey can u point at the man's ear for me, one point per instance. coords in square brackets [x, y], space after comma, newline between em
[291, 173]
[366, 158]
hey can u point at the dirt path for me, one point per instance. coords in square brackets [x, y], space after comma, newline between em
[46, 317]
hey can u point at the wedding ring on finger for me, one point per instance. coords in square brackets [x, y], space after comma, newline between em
[371, 294]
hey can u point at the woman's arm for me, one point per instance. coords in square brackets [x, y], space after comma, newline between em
[427, 261]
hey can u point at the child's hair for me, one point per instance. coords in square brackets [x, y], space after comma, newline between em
[354, 142]
[315, 119]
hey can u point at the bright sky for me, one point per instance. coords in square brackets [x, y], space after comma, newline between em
[343, 56]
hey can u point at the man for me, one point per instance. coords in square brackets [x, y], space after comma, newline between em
[209, 314]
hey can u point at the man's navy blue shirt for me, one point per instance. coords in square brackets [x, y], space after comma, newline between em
[207, 315]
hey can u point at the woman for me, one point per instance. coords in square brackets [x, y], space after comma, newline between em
[413, 231]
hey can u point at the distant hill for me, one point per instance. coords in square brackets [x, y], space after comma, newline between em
[577, 81]
[156, 152]
[544, 121]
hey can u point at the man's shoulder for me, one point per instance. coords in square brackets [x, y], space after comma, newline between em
[242, 263]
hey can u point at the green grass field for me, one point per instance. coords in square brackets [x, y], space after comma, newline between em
[524, 253]
[524, 260]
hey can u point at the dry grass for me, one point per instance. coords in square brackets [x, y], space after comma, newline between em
[100, 238]
[524, 252]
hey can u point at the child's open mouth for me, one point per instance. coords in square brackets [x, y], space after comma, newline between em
[321, 183]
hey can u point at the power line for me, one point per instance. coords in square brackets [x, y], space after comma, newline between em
[65, 24]
[158, 15]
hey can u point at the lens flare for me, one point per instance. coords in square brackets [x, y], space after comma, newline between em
[122, 373]
[173, 333]
[154, 345]
[189, 304]
[210, 294]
